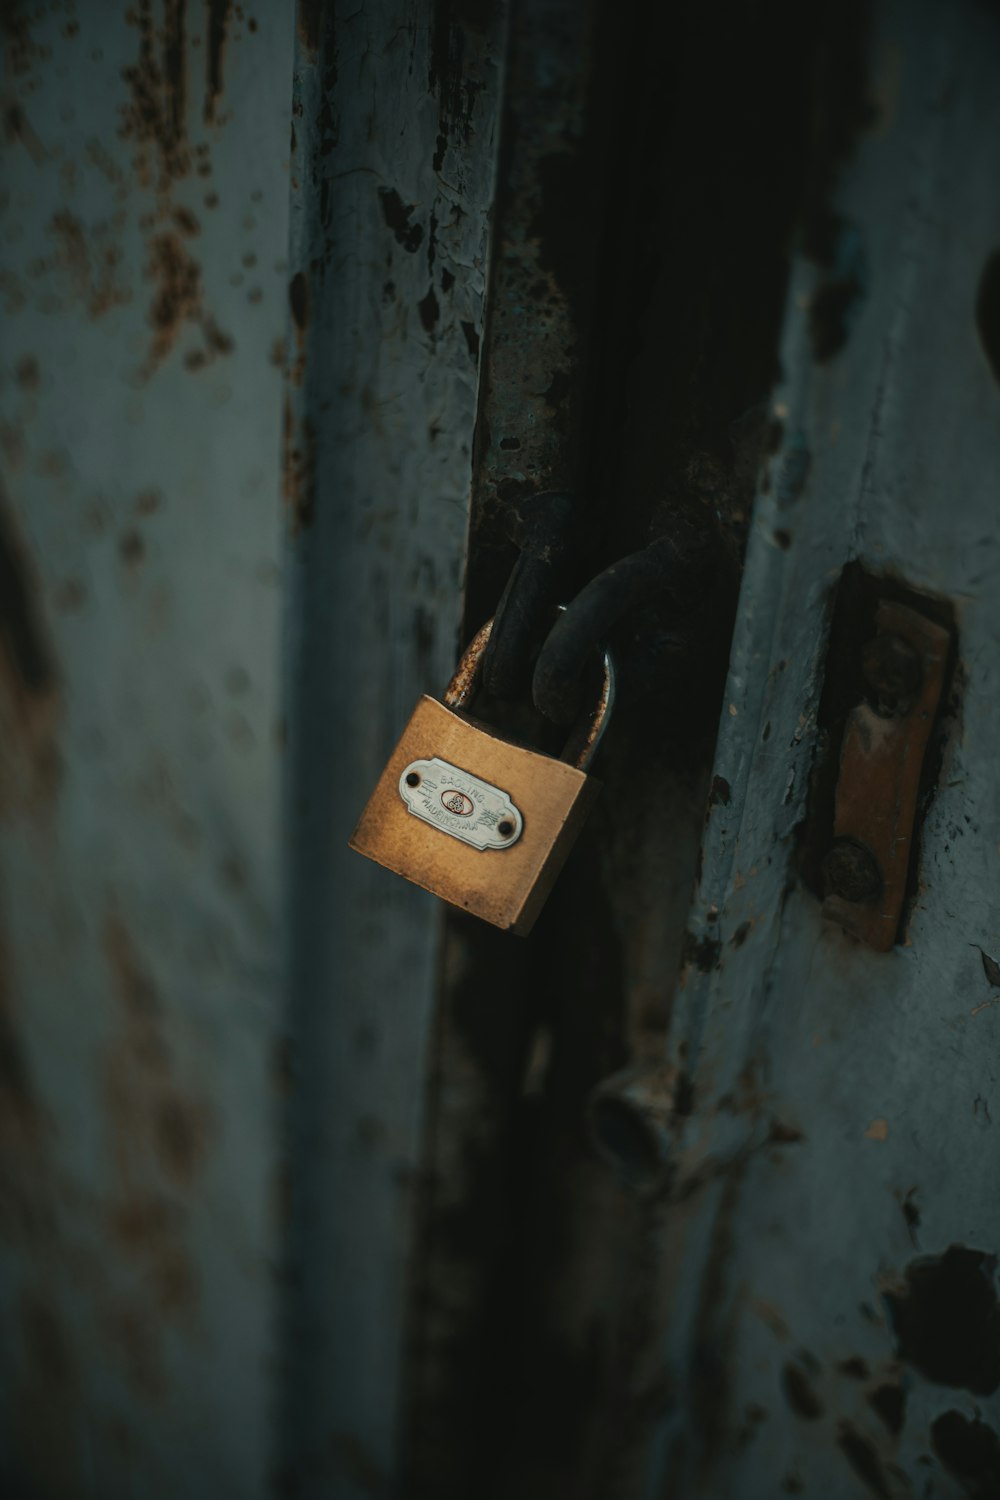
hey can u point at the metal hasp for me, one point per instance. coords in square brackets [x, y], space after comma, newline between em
[881, 761]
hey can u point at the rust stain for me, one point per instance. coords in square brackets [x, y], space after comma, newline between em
[20, 49]
[160, 1134]
[154, 115]
[309, 18]
[878, 1130]
[186, 222]
[154, 118]
[178, 303]
[141, 1222]
[18, 128]
[134, 988]
[94, 265]
[218, 21]
[146, 1229]
[174, 69]
[101, 158]
[298, 469]
[155, 1126]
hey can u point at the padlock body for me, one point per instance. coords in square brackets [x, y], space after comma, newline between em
[505, 886]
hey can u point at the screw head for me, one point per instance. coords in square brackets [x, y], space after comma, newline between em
[851, 871]
[892, 668]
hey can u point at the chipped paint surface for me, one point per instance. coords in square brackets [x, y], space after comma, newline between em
[143, 290]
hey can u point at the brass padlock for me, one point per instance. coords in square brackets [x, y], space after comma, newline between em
[482, 822]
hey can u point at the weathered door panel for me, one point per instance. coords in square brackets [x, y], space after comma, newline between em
[145, 228]
[217, 1025]
[843, 1098]
[244, 264]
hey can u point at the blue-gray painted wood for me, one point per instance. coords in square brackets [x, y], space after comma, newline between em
[391, 195]
[886, 1064]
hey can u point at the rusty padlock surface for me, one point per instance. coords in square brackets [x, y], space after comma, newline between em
[481, 821]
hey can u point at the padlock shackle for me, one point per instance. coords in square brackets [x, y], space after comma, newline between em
[581, 746]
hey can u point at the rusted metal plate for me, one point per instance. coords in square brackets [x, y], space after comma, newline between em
[881, 763]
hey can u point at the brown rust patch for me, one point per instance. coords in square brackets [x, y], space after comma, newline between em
[178, 302]
[93, 265]
[298, 484]
[154, 115]
[160, 1134]
[133, 987]
[140, 1223]
[16, 127]
[154, 119]
[309, 15]
[186, 222]
[155, 1126]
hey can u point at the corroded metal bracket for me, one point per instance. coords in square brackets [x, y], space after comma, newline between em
[881, 761]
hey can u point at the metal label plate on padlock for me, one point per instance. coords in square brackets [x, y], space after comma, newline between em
[460, 804]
